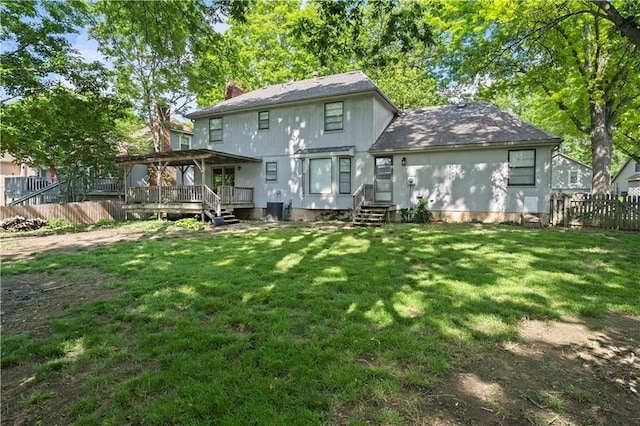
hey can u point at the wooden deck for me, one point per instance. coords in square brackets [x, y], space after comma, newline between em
[187, 199]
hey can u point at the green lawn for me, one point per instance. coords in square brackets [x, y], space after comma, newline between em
[305, 325]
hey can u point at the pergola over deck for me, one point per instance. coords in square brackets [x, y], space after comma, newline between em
[184, 198]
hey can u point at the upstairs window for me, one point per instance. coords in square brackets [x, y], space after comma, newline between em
[522, 167]
[263, 120]
[333, 116]
[185, 142]
[637, 167]
[215, 130]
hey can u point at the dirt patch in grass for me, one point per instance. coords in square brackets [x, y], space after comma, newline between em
[573, 371]
[29, 301]
[21, 247]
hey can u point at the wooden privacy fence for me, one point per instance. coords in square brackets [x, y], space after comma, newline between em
[600, 211]
[84, 212]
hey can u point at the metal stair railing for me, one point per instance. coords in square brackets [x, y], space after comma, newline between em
[48, 195]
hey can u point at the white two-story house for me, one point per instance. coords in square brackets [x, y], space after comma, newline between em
[331, 144]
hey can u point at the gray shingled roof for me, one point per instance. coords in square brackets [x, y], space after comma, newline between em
[459, 126]
[331, 85]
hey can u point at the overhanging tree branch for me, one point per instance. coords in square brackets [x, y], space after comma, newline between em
[627, 25]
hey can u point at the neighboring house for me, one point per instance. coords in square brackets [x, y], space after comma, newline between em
[320, 145]
[569, 176]
[627, 180]
[17, 180]
[180, 136]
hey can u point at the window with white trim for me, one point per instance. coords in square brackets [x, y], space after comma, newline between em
[271, 171]
[522, 167]
[573, 177]
[333, 116]
[344, 180]
[185, 142]
[263, 120]
[320, 176]
[215, 130]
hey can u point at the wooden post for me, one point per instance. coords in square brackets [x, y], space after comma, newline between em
[127, 173]
[565, 210]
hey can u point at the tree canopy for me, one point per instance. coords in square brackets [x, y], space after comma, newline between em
[35, 52]
[568, 65]
[163, 52]
[290, 39]
[564, 52]
[65, 131]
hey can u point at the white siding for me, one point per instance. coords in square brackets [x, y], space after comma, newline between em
[621, 181]
[561, 173]
[290, 129]
[294, 128]
[382, 115]
[470, 181]
[139, 175]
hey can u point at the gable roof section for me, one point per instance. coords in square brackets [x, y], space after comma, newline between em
[560, 154]
[459, 126]
[175, 125]
[624, 166]
[296, 91]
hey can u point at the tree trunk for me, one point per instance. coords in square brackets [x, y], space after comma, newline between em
[601, 144]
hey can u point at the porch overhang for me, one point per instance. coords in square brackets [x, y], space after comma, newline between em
[186, 158]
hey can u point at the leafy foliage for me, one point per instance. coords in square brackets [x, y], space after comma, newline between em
[34, 47]
[564, 51]
[163, 52]
[418, 214]
[63, 130]
[283, 40]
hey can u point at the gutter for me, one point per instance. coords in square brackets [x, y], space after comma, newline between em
[437, 148]
[256, 107]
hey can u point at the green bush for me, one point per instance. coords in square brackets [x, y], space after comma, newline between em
[189, 223]
[417, 214]
[58, 224]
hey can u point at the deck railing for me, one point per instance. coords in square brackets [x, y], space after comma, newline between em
[235, 194]
[363, 194]
[164, 194]
[211, 200]
[106, 185]
[32, 190]
[189, 194]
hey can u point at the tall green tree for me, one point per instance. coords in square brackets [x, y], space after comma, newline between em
[264, 49]
[563, 50]
[35, 52]
[290, 39]
[66, 131]
[163, 52]
[388, 39]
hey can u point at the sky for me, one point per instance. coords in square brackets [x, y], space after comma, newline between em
[86, 47]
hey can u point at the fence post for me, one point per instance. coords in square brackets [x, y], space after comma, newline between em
[565, 210]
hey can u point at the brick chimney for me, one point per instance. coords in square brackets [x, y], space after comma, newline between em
[231, 90]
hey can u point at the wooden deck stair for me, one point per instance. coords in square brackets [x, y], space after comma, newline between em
[371, 215]
[227, 214]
